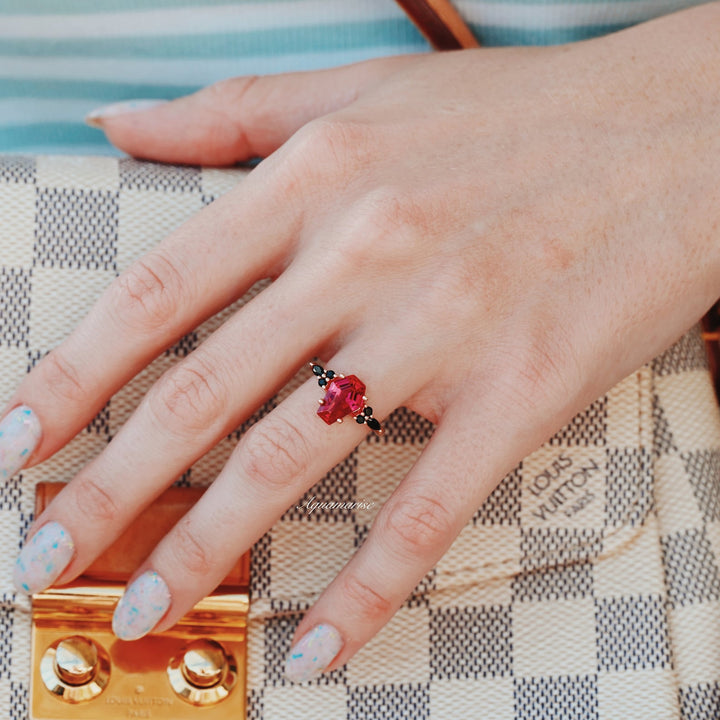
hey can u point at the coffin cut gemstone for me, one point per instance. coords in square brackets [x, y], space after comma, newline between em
[343, 396]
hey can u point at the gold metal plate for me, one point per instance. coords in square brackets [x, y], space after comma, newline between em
[194, 670]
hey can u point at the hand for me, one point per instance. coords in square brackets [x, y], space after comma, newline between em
[492, 238]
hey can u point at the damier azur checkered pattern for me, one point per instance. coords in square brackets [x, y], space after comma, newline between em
[586, 587]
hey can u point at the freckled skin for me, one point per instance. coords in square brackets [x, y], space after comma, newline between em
[558, 256]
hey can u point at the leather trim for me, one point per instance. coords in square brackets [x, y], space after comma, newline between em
[440, 23]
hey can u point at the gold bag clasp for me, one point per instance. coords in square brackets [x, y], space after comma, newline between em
[196, 669]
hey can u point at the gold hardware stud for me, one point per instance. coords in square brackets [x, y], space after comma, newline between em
[203, 664]
[203, 673]
[75, 669]
[76, 660]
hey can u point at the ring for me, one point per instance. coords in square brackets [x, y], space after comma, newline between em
[344, 395]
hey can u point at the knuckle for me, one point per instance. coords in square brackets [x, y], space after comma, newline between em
[535, 373]
[94, 502]
[191, 397]
[548, 369]
[384, 232]
[62, 378]
[331, 148]
[275, 452]
[146, 296]
[365, 600]
[221, 101]
[189, 549]
[390, 210]
[381, 235]
[417, 526]
[382, 221]
[227, 95]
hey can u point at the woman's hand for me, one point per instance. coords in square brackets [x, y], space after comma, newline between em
[492, 238]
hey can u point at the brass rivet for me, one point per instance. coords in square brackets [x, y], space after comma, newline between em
[76, 660]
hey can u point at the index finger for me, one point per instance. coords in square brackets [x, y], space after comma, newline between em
[201, 267]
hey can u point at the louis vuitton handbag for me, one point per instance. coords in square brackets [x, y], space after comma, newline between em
[586, 587]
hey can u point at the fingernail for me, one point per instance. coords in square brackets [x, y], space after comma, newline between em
[95, 117]
[145, 601]
[43, 558]
[20, 434]
[312, 653]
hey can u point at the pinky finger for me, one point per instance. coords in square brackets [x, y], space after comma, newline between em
[409, 536]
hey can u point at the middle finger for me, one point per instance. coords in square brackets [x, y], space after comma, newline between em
[282, 455]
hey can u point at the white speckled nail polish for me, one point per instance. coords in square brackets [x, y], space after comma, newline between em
[20, 434]
[95, 117]
[43, 558]
[145, 601]
[312, 653]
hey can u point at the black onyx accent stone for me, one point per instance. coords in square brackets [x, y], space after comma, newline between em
[368, 411]
[317, 369]
[322, 382]
[330, 374]
[359, 419]
[373, 424]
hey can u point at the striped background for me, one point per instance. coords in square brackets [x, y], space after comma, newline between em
[61, 58]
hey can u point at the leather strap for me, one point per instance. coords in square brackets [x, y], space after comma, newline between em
[440, 23]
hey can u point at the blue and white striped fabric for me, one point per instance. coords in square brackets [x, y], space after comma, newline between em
[61, 58]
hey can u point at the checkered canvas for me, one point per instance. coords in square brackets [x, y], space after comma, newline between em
[586, 587]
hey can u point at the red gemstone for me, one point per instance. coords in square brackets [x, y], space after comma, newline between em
[343, 396]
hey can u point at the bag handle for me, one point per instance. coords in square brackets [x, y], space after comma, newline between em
[440, 23]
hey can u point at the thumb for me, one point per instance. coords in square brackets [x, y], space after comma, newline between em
[238, 118]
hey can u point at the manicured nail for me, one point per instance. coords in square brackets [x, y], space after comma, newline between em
[95, 117]
[43, 558]
[143, 604]
[20, 434]
[312, 653]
